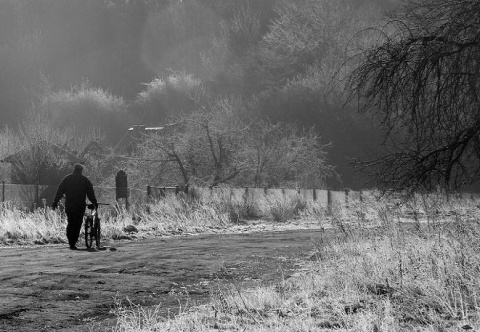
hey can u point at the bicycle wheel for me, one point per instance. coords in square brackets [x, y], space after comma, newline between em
[89, 234]
[97, 231]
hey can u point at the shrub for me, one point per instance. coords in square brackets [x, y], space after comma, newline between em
[286, 209]
[170, 96]
[86, 106]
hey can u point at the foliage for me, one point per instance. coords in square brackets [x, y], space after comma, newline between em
[9, 144]
[306, 33]
[197, 148]
[213, 146]
[230, 62]
[168, 97]
[84, 107]
[35, 148]
[280, 154]
[298, 61]
[175, 34]
[287, 209]
[247, 48]
[421, 81]
[348, 135]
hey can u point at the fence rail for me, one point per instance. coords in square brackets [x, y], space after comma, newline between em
[30, 197]
[322, 197]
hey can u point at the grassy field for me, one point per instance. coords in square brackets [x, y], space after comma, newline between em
[375, 275]
[172, 215]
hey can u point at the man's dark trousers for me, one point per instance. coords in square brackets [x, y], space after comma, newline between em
[74, 224]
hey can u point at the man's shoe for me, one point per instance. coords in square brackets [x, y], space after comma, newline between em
[73, 248]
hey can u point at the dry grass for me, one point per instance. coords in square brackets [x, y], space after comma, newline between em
[172, 215]
[424, 278]
[384, 278]
[40, 227]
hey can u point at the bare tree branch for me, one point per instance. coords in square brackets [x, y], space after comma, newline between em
[422, 83]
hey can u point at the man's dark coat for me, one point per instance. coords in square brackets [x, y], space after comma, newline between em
[76, 189]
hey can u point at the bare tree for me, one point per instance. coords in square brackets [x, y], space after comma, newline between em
[40, 152]
[199, 148]
[280, 154]
[213, 146]
[422, 81]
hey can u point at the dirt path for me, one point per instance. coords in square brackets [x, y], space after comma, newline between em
[52, 288]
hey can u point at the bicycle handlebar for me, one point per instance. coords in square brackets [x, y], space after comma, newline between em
[92, 206]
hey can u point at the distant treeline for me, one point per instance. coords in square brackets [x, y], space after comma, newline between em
[113, 63]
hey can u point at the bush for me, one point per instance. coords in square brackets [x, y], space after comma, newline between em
[165, 97]
[287, 209]
[85, 106]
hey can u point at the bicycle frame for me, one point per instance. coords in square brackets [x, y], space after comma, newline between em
[92, 227]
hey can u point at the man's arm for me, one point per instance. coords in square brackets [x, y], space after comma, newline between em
[60, 192]
[91, 193]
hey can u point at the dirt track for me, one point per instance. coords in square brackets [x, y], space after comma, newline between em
[51, 288]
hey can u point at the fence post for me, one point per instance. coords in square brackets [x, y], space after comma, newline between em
[149, 192]
[347, 191]
[121, 186]
[329, 201]
[35, 203]
[3, 191]
[314, 194]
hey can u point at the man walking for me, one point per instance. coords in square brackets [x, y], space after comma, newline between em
[76, 188]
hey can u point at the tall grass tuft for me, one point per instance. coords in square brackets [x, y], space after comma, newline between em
[41, 226]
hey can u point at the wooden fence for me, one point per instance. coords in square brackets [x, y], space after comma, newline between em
[248, 195]
[29, 197]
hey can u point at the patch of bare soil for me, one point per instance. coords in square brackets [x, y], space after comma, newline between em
[51, 288]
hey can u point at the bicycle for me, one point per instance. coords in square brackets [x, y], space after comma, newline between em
[92, 225]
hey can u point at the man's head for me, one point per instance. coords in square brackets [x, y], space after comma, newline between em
[78, 168]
